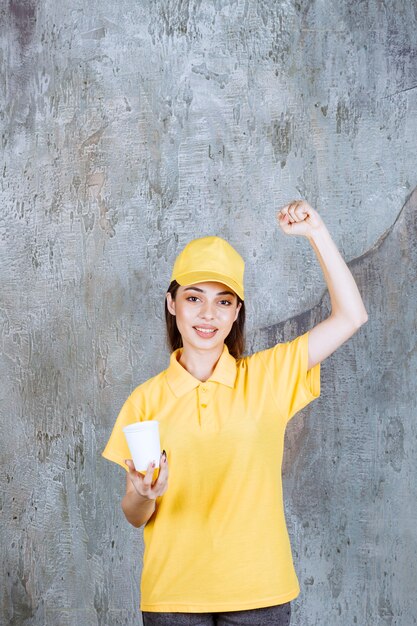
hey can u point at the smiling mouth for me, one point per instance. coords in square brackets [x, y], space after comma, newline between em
[205, 332]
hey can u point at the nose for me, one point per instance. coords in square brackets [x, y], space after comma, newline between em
[206, 311]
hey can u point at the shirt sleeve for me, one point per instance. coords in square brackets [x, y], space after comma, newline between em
[116, 449]
[292, 384]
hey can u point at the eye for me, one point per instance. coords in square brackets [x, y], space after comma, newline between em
[228, 301]
[189, 297]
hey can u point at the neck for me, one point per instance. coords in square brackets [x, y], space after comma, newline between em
[200, 363]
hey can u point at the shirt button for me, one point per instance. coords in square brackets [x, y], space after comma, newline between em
[204, 406]
[203, 388]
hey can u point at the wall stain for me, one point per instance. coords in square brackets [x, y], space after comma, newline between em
[280, 134]
[44, 444]
[394, 443]
[23, 13]
[347, 118]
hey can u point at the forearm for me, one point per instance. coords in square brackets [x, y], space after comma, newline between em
[137, 510]
[345, 298]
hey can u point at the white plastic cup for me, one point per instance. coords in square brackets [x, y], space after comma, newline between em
[144, 444]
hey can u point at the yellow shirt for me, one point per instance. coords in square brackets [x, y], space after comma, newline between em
[218, 540]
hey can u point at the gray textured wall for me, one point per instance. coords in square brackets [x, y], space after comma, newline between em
[128, 128]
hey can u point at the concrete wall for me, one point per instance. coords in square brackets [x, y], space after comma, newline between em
[129, 128]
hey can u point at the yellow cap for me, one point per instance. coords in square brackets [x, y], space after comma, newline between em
[210, 258]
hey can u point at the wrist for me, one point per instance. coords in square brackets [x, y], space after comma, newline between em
[138, 499]
[318, 233]
[144, 499]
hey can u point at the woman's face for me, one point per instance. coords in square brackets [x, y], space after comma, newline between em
[209, 305]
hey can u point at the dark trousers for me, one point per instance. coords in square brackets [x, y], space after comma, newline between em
[277, 615]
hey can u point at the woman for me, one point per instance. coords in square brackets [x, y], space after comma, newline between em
[217, 549]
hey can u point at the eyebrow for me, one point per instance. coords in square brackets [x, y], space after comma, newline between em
[220, 293]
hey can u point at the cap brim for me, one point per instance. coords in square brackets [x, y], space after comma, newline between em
[190, 278]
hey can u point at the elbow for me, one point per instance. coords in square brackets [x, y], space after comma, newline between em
[361, 321]
[364, 319]
[354, 322]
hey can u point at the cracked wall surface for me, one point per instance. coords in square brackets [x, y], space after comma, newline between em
[129, 128]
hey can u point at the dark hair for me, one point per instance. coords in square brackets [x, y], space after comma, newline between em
[235, 340]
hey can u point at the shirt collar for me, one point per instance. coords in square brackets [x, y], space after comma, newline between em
[181, 381]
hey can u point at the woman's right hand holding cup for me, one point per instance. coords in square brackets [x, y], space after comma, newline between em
[143, 482]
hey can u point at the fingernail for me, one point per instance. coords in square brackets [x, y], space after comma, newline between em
[153, 463]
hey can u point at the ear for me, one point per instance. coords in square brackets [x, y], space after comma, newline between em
[170, 303]
[237, 311]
